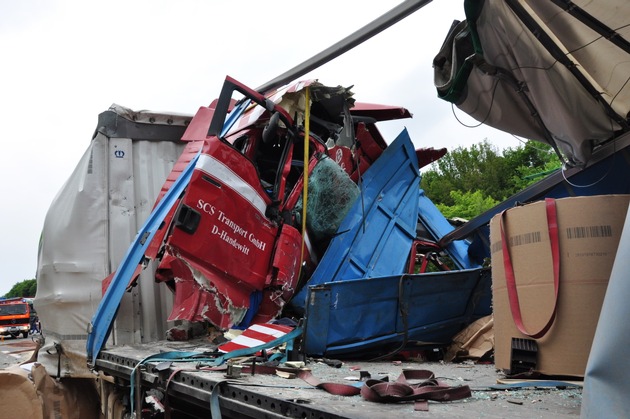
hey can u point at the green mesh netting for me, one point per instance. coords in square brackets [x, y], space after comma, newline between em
[331, 193]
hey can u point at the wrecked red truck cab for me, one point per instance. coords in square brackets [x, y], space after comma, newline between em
[237, 246]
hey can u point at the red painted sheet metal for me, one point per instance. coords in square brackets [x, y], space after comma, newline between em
[233, 238]
[202, 295]
[286, 265]
[379, 112]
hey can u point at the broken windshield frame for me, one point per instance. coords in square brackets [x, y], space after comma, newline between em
[222, 123]
[219, 125]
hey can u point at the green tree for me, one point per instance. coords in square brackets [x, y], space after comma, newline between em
[467, 204]
[468, 181]
[480, 167]
[25, 288]
[530, 163]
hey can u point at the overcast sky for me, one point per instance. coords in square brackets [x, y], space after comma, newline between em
[66, 61]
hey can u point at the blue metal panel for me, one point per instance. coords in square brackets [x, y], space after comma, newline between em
[319, 297]
[376, 236]
[366, 314]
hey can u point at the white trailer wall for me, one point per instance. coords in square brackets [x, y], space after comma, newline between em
[89, 227]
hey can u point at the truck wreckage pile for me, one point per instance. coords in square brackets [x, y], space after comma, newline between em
[247, 242]
[321, 241]
[286, 215]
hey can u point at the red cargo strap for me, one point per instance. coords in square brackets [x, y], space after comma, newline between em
[383, 391]
[552, 223]
[306, 375]
[401, 391]
[332, 388]
[375, 390]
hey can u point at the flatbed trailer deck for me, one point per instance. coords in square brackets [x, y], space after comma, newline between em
[189, 389]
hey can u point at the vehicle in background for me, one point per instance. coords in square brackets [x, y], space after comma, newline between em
[15, 314]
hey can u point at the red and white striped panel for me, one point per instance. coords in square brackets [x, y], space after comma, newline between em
[254, 335]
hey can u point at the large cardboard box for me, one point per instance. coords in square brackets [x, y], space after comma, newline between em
[589, 231]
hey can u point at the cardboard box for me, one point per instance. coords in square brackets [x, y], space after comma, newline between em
[36, 395]
[589, 232]
[19, 397]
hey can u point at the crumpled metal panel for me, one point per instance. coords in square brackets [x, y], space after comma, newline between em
[380, 227]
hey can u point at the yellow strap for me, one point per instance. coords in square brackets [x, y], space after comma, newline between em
[307, 117]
